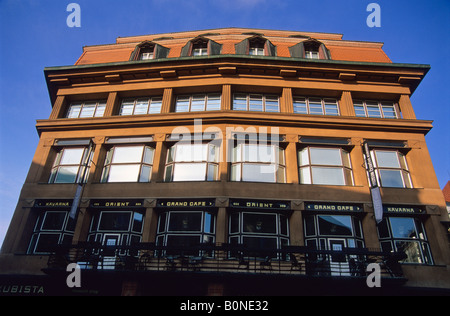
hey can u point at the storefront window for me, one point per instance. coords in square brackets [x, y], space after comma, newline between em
[405, 234]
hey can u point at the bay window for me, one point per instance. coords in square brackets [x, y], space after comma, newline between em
[392, 169]
[192, 162]
[322, 165]
[131, 163]
[258, 163]
[69, 165]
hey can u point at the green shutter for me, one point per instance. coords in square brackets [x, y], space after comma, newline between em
[297, 50]
[214, 48]
[242, 47]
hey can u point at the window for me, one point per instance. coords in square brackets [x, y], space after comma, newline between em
[405, 234]
[128, 164]
[257, 48]
[183, 229]
[192, 162]
[255, 102]
[328, 166]
[312, 105]
[146, 53]
[198, 102]
[392, 170]
[312, 54]
[263, 231]
[52, 228]
[69, 165]
[258, 163]
[379, 109]
[323, 231]
[86, 109]
[141, 106]
[116, 228]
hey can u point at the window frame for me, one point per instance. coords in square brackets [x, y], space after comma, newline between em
[171, 163]
[324, 101]
[191, 98]
[255, 97]
[347, 170]
[402, 168]
[150, 101]
[363, 106]
[241, 162]
[108, 162]
[100, 105]
[85, 159]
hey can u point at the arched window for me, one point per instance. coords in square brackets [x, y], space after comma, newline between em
[256, 45]
[149, 50]
[310, 49]
[201, 46]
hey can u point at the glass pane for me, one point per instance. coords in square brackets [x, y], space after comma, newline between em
[305, 175]
[141, 106]
[138, 218]
[127, 154]
[72, 156]
[373, 110]
[258, 172]
[127, 107]
[259, 153]
[162, 222]
[212, 172]
[189, 152]
[335, 225]
[123, 173]
[146, 172]
[88, 109]
[411, 249]
[236, 172]
[284, 224]
[115, 221]
[272, 104]
[185, 221]
[189, 172]
[259, 243]
[182, 104]
[359, 110]
[387, 159]
[300, 106]
[326, 156]
[181, 243]
[54, 221]
[260, 223]
[303, 157]
[391, 178]
[403, 227]
[240, 102]
[148, 155]
[66, 175]
[281, 175]
[331, 107]
[234, 223]
[47, 242]
[209, 223]
[100, 110]
[331, 176]
[310, 228]
[155, 106]
[388, 110]
[255, 102]
[168, 173]
[315, 106]
[198, 102]
[213, 102]
[74, 111]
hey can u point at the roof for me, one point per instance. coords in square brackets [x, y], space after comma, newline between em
[446, 192]
[339, 49]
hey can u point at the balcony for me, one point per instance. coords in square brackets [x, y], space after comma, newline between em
[293, 261]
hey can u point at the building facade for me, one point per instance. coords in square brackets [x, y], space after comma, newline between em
[230, 162]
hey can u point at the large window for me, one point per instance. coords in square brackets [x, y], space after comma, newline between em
[192, 162]
[333, 232]
[116, 228]
[313, 105]
[259, 231]
[255, 102]
[141, 106]
[380, 109]
[392, 169]
[197, 102]
[69, 165]
[128, 164]
[258, 163]
[321, 165]
[51, 229]
[86, 109]
[183, 229]
[405, 234]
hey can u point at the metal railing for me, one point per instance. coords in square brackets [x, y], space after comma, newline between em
[295, 260]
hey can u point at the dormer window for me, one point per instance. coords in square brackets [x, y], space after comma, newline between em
[148, 50]
[256, 46]
[200, 48]
[310, 49]
[146, 53]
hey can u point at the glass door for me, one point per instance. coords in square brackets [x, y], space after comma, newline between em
[338, 262]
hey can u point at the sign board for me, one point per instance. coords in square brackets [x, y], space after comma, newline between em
[340, 207]
[175, 203]
[117, 203]
[402, 209]
[260, 204]
[53, 203]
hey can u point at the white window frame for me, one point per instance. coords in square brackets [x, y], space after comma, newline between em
[77, 109]
[310, 101]
[152, 103]
[251, 100]
[371, 106]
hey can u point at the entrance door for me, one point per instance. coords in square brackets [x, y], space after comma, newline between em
[110, 241]
[338, 261]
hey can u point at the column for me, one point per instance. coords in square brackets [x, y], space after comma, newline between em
[167, 100]
[226, 97]
[286, 104]
[158, 158]
[346, 104]
[59, 107]
[112, 104]
[406, 108]
[291, 159]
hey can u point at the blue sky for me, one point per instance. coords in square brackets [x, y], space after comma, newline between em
[34, 35]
